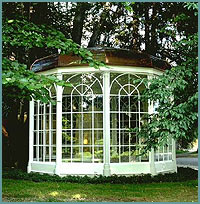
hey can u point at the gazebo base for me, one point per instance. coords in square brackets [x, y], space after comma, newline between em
[92, 169]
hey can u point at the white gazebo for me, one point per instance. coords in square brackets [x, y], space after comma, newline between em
[87, 131]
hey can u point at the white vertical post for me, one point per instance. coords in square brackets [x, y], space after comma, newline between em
[151, 153]
[58, 127]
[174, 154]
[31, 127]
[106, 123]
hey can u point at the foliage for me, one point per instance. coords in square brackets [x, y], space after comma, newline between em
[32, 30]
[183, 174]
[21, 83]
[176, 92]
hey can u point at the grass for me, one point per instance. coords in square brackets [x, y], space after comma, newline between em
[185, 153]
[29, 191]
[179, 151]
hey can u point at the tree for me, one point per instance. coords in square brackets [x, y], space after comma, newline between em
[22, 39]
[176, 92]
[32, 30]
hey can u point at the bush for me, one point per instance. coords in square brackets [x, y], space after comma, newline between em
[183, 174]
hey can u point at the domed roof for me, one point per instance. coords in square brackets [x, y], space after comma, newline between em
[110, 56]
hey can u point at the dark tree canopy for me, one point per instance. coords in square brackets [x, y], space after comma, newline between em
[32, 30]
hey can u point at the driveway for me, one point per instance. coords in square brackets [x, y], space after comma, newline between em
[187, 162]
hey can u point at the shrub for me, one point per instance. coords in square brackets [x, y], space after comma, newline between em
[183, 174]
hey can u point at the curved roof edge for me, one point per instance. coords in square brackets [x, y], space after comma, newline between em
[110, 56]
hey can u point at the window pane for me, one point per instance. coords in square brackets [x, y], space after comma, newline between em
[98, 120]
[40, 153]
[40, 122]
[134, 105]
[161, 157]
[114, 136]
[35, 123]
[87, 137]
[66, 154]
[77, 136]
[124, 137]
[53, 108]
[124, 103]
[165, 157]
[87, 154]
[41, 108]
[47, 137]
[76, 104]
[98, 137]
[46, 122]
[35, 138]
[114, 120]
[66, 104]
[47, 108]
[66, 121]
[114, 154]
[66, 137]
[124, 154]
[125, 120]
[76, 154]
[40, 137]
[114, 103]
[134, 152]
[77, 120]
[34, 153]
[67, 90]
[133, 138]
[98, 154]
[98, 102]
[53, 153]
[53, 137]
[47, 154]
[87, 120]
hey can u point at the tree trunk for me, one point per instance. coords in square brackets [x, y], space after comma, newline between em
[97, 27]
[78, 22]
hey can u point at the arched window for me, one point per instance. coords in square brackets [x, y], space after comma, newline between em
[126, 111]
[82, 128]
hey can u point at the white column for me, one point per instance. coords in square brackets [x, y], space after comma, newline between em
[106, 123]
[31, 127]
[151, 153]
[58, 127]
[174, 154]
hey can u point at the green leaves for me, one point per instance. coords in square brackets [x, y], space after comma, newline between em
[177, 93]
[20, 33]
[20, 36]
[20, 83]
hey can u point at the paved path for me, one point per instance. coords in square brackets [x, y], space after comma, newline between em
[187, 162]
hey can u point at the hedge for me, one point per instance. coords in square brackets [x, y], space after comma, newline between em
[183, 174]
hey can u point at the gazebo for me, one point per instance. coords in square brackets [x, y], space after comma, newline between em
[87, 131]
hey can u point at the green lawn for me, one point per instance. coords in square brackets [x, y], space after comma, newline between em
[27, 191]
[181, 153]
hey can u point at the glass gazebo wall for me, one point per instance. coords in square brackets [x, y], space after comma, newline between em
[44, 130]
[82, 121]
